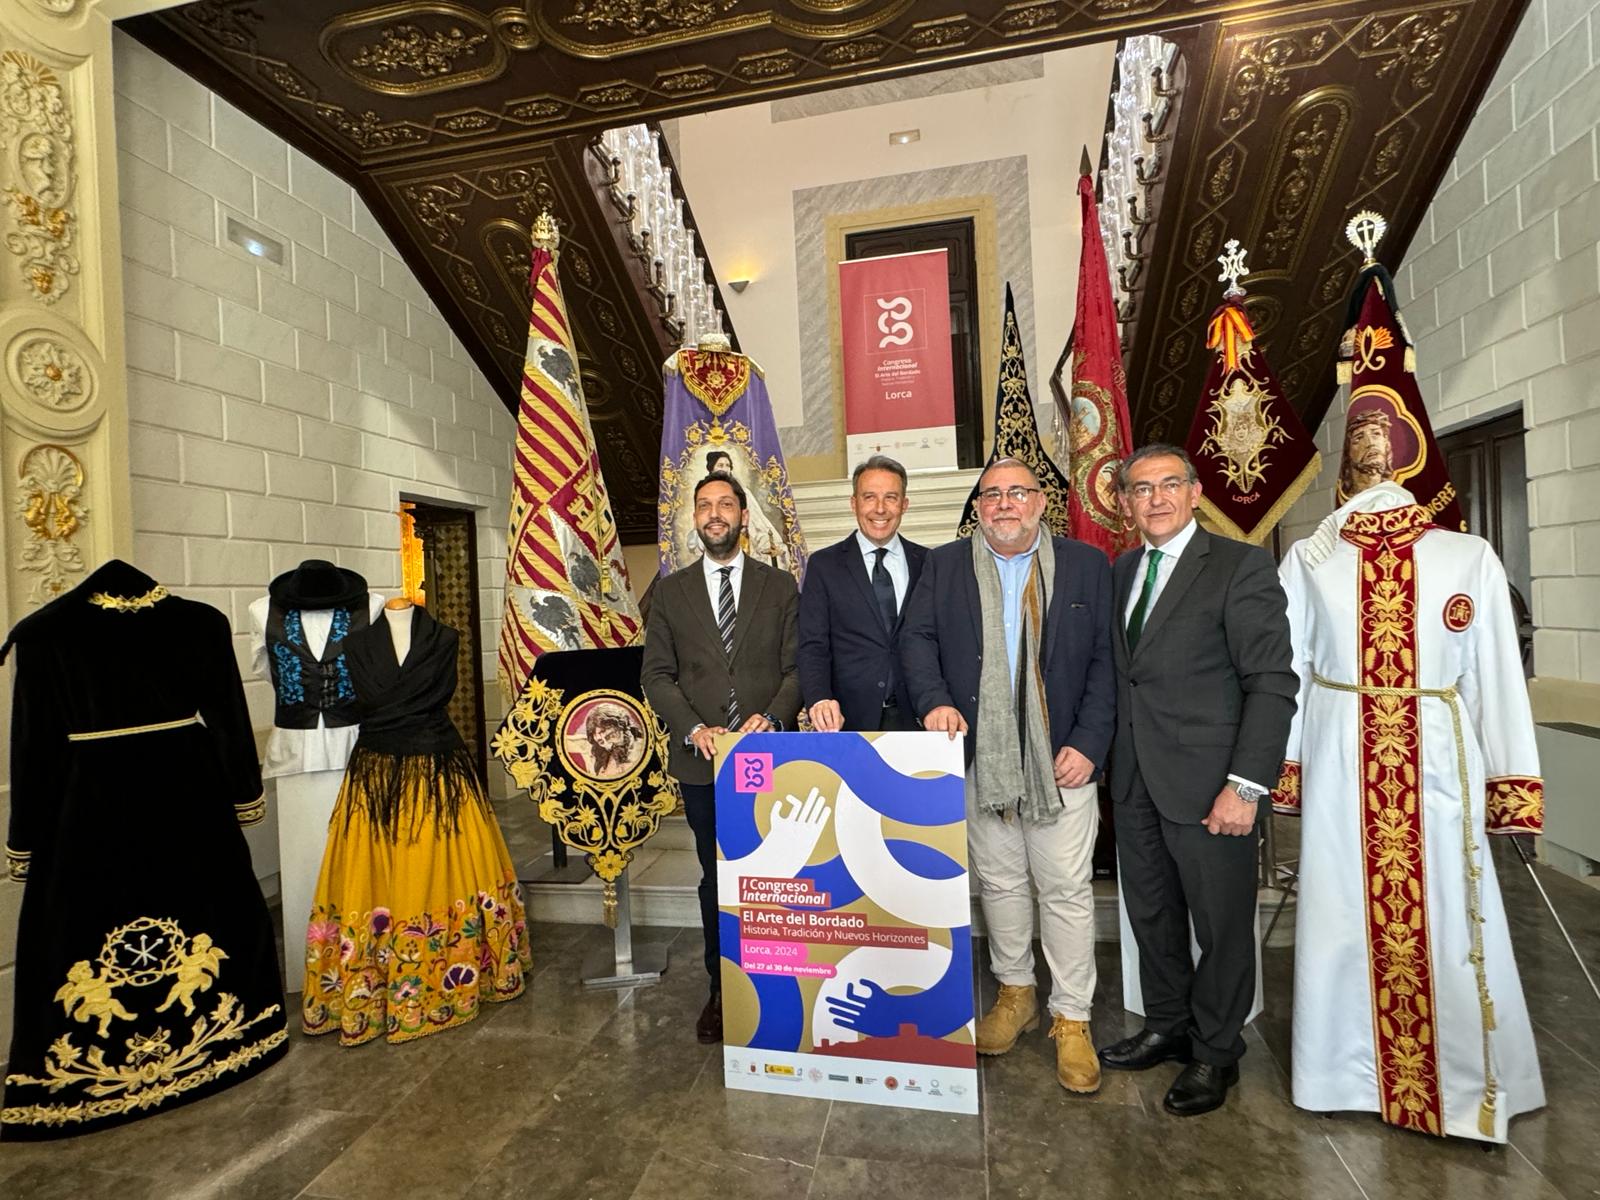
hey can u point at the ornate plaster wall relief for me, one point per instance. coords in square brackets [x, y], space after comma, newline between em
[50, 502]
[52, 374]
[36, 129]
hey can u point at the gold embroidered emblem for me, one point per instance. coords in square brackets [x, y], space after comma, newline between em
[614, 805]
[1241, 431]
[135, 956]
[1458, 611]
[129, 603]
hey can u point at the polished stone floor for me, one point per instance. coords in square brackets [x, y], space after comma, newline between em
[568, 1093]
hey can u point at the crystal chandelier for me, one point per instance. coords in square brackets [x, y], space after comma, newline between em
[641, 188]
[1136, 147]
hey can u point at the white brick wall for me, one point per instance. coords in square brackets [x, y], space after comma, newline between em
[276, 413]
[1501, 288]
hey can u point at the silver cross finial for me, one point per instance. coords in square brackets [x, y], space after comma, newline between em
[1365, 231]
[1233, 268]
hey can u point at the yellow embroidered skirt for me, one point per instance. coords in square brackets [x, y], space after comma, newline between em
[417, 917]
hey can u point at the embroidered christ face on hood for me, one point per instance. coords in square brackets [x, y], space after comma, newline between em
[1368, 452]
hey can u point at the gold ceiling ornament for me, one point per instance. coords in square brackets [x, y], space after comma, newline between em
[50, 502]
[604, 29]
[416, 49]
[595, 767]
[56, 8]
[36, 123]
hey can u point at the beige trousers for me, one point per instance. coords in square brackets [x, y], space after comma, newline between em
[1014, 859]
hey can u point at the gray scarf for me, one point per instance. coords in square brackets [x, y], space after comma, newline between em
[1012, 763]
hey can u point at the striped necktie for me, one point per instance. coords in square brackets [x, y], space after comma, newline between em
[725, 618]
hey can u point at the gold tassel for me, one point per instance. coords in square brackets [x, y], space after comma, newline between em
[1411, 360]
[1486, 1115]
[1344, 371]
[610, 903]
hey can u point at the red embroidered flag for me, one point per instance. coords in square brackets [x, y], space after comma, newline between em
[566, 585]
[1099, 433]
[1249, 448]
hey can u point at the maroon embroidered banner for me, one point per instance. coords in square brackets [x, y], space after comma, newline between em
[1252, 454]
[1387, 432]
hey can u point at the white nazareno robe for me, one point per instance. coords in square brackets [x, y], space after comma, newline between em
[1403, 1003]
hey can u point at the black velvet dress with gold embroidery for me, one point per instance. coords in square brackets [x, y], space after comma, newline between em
[147, 975]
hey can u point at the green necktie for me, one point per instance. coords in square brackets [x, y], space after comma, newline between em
[1136, 622]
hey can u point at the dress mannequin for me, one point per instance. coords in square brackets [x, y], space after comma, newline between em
[399, 617]
[305, 759]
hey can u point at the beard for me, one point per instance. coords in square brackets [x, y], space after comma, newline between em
[722, 545]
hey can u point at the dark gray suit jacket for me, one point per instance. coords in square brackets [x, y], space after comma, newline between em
[1210, 691]
[686, 674]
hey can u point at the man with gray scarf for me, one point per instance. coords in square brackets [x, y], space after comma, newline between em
[1007, 638]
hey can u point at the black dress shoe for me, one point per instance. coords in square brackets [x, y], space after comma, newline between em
[1199, 1088]
[708, 1028]
[1145, 1049]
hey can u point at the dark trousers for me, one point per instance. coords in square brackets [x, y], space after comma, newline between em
[700, 807]
[896, 719]
[1173, 873]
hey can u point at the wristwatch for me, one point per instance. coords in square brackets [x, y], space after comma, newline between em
[1250, 793]
[773, 721]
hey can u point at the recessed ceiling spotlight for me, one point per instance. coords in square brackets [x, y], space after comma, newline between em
[905, 137]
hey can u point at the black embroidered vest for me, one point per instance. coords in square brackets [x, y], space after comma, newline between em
[303, 684]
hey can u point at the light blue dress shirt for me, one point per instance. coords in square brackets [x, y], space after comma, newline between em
[1013, 582]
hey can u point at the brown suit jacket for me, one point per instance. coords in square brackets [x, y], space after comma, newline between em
[686, 674]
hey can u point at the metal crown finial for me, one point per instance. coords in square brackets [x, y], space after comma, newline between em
[1365, 231]
[1233, 268]
[545, 232]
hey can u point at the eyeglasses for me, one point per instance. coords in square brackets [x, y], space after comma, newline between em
[1017, 494]
[1167, 487]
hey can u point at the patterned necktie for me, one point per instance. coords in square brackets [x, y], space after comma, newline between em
[883, 588]
[725, 618]
[1136, 621]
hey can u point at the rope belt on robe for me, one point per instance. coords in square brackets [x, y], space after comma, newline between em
[1472, 871]
[97, 734]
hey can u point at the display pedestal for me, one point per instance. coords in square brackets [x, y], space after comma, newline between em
[624, 965]
[305, 805]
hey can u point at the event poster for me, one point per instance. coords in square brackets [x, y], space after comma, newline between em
[899, 383]
[845, 918]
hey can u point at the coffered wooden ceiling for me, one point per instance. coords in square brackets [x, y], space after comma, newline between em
[458, 119]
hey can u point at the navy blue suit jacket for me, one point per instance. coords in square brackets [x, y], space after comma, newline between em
[941, 646]
[845, 653]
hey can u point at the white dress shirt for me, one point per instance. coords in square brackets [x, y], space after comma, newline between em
[894, 562]
[713, 570]
[1170, 553]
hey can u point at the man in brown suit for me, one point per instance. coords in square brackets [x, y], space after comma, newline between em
[719, 657]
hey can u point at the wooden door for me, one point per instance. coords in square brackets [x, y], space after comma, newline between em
[449, 586]
[957, 238]
[1488, 466]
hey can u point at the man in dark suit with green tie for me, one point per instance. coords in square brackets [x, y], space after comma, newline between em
[1205, 694]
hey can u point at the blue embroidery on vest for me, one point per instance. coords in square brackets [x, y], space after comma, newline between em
[291, 688]
[341, 627]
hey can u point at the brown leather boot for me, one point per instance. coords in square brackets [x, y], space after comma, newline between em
[1014, 1014]
[1077, 1065]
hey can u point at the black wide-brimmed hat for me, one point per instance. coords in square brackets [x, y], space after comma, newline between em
[318, 584]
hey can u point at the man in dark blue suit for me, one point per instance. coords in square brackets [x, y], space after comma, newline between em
[851, 610]
[1008, 639]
